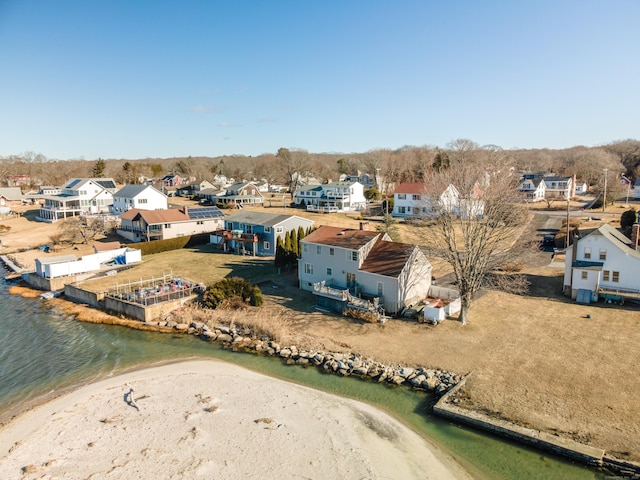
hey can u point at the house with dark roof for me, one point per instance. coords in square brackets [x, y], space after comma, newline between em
[538, 186]
[146, 225]
[362, 268]
[79, 196]
[172, 180]
[194, 188]
[257, 232]
[603, 265]
[143, 197]
[533, 189]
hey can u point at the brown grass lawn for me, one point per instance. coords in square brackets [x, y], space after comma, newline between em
[536, 359]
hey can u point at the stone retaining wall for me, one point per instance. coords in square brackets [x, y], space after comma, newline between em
[345, 364]
[564, 447]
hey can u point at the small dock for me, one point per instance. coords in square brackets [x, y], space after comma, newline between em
[14, 271]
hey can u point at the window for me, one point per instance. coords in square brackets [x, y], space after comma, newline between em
[587, 252]
[380, 289]
[352, 255]
[332, 251]
[605, 275]
[248, 229]
[167, 225]
[304, 247]
[308, 269]
[142, 200]
[200, 222]
[329, 271]
[318, 249]
[265, 245]
[616, 277]
[585, 274]
[278, 229]
[402, 196]
[267, 229]
[416, 197]
[401, 210]
[229, 226]
[603, 254]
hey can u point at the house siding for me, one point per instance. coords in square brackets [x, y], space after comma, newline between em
[619, 258]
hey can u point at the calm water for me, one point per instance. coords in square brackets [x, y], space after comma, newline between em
[42, 352]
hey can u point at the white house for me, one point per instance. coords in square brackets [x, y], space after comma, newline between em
[332, 197]
[79, 196]
[581, 188]
[409, 200]
[345, 267]
[533, 189]
[603, 264]
[242, 193]
[65, 265]
[146, 225]
[554, 185]
[143, 197]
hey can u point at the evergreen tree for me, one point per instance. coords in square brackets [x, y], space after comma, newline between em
[295, 246]
[98, 168]
[301, 235]
[441, 161]
[627, 219]
[281, 254]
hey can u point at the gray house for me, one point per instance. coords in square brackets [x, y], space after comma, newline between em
[362, 269]
[257, 232]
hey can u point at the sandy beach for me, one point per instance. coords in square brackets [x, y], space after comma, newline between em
[210, 419]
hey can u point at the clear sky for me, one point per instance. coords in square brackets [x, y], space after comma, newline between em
[135, 79]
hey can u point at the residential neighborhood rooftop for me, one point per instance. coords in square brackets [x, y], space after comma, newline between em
[259, 218]
[341, 237]
[410, 188]
[387, 258]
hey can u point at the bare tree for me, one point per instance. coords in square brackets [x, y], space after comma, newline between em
[292, 165]
[476, 211]
[80, 229]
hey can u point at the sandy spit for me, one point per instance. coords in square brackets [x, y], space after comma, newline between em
[210, 419]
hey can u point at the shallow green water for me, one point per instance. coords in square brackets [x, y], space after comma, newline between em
[44, 353]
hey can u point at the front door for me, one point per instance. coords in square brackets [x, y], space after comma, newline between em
[351, 280]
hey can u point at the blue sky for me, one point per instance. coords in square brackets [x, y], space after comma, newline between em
[135, 79]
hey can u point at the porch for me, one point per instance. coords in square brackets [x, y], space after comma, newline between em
[339, 299]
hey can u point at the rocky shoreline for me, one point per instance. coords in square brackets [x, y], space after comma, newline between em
[345, 364]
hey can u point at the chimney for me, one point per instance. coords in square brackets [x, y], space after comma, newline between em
[364, 225]
[185, 210]
[635, 230]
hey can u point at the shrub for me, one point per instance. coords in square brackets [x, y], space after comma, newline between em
[230, 288]
[158, 246]
[628, 218]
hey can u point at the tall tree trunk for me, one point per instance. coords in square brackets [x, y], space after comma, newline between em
[465, 302]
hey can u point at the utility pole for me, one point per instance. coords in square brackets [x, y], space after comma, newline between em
[566, 241]
[604, 198]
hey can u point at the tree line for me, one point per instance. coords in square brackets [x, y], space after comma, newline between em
[406, 164]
